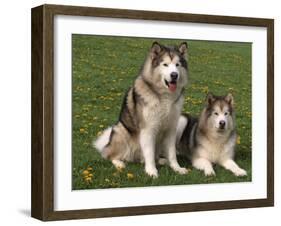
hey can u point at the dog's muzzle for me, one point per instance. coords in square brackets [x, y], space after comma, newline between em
[172, 84]
[222, 124]
[174, 76]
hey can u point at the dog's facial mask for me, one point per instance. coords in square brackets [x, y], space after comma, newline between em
[219, 110]
[170, 63]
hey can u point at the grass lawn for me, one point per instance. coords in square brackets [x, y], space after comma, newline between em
[103, 69]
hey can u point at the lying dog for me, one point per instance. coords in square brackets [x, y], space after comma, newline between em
[211, 138]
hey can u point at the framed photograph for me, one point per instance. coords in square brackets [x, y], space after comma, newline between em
[141, 112]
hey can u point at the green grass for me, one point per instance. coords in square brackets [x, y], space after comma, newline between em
[104, 68]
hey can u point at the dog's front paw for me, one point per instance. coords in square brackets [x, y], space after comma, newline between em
[240, 173]
[118, 164]
[151, 171]
[181, 170]
[209, 172]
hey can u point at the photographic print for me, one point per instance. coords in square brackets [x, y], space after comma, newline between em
[205, 86]
[141, 112]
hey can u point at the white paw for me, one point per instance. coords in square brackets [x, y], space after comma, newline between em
[151, 171]
[118, 164]
[181, 170]
[240, 173]
[209, 172]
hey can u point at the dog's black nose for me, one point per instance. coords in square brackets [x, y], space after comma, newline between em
[174, 75]
[222, 124]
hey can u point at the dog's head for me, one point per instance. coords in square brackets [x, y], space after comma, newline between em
[168, 66]
[219, 112]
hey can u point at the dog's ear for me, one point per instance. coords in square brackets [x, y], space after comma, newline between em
[156, 48]
[183, 49]
[210, 99]
[229, 99]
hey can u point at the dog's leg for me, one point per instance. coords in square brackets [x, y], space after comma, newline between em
[147, 143]
[205, 165]
[229, 164]
[171, 153]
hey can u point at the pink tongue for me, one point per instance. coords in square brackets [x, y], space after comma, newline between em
[172, 87]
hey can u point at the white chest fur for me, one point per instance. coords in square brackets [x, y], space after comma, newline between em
[215, 150]
[162, 114]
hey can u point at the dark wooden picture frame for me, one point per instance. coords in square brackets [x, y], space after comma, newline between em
[42, 203]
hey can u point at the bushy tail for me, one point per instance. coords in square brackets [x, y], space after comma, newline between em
[102, 140]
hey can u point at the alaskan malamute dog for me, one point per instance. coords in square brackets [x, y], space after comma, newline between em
[212, 137]
[147, 124]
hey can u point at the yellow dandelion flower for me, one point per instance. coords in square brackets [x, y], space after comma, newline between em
[89, 168]
[90, 175]
[88, 179]
[85, 173]
[82, 130]
[238, 141]
[205, 89]
[130, 175]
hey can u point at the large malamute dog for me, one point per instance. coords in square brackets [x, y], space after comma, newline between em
[151, 109]
[212, 137]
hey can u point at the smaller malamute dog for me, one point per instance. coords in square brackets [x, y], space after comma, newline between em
[146, 129]
[212, 137]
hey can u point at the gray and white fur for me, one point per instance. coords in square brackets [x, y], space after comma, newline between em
[146, 129]
[211, 138]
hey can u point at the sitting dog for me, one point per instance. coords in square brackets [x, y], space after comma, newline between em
[147, 124]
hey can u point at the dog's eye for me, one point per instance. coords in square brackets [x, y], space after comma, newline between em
[216, 113]
[166, 65]
[177, 65]
[226, 113]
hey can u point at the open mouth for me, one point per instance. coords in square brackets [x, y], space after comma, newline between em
[172, 85]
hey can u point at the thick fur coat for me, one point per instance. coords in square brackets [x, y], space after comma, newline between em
[211, 138]
[146, 129]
